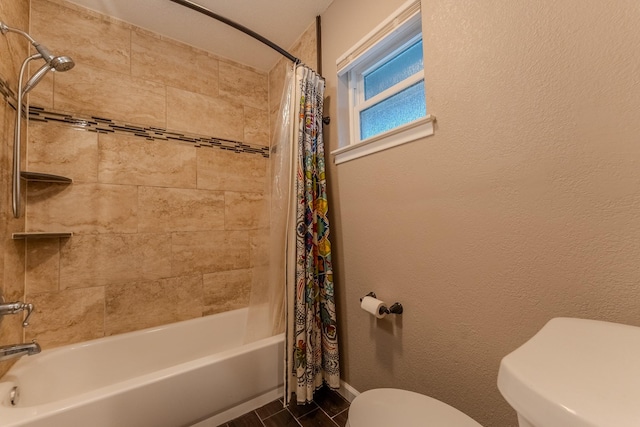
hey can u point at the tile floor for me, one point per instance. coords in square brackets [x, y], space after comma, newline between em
[328, 409]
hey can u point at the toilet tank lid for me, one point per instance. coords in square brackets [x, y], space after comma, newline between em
[575, 373]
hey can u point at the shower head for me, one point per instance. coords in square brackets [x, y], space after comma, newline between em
[61, 63]
[35, 79]
[53, 63]
[57, 63]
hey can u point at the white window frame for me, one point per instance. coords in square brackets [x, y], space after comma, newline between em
[356, 84]
[399, 31]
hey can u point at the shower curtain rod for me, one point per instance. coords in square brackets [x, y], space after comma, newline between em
[194, 6]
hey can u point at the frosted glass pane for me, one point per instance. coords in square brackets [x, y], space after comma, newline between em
[395, 70]
[403, 107]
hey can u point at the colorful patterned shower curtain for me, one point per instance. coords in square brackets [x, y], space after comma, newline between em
[312, 342]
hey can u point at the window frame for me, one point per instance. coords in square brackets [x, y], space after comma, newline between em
[356, 82]
[398, 32]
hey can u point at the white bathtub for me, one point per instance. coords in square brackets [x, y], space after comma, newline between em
[196, 371]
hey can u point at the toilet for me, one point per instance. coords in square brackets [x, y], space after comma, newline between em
[572, 373]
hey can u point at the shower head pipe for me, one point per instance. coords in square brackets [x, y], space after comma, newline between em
[4, 29]
[42, 50]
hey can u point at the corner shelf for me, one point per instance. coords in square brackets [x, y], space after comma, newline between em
[44, 177]
[41, 235]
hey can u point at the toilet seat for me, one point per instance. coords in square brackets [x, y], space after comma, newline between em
[384, 407]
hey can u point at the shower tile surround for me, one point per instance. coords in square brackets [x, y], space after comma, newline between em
[167, 223]
[103, 281]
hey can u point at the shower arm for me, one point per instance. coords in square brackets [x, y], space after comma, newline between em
[42, 50]
[4, 29]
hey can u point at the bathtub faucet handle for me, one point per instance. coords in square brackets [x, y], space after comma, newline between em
[29, 308]
[17, 307]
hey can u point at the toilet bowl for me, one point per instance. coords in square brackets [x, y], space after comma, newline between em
[392, 407]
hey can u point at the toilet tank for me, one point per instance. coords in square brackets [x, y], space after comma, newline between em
[575, 373]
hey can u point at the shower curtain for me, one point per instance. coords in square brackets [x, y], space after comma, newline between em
[292, 288]
[311, 350]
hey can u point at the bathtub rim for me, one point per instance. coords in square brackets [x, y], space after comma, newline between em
[48, 353]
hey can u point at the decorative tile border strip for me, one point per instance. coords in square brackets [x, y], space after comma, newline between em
[8, 94]
[104, 125]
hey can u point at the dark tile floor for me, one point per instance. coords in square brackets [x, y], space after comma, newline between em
[328, 409]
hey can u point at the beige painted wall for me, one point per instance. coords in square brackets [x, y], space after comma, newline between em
[523, 206]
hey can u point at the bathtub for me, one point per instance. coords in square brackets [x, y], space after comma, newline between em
[195, 372]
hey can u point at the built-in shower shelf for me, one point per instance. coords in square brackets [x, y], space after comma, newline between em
[41, 235]
[44, 177]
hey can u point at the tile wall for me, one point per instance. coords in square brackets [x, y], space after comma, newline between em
[164, 230]
[305, 48]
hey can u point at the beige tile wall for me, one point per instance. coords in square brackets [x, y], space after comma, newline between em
[163, 231]
[304, 49]
[13, 50]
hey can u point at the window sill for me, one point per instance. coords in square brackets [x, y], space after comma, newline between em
[418, 129]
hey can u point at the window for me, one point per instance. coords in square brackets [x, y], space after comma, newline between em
[381, 88]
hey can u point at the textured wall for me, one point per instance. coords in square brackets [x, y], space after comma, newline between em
[523, 206]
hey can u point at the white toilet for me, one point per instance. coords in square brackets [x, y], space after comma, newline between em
[572, 373]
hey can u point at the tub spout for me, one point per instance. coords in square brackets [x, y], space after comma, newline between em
[18, 350]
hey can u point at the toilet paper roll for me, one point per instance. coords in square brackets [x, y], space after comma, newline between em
[372, 305]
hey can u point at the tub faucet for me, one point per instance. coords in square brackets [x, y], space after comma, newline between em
[16, 307]
[18, 350]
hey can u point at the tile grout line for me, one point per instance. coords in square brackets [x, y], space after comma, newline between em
[332, 418]
[328, 416]
[260, 419]
[306, 413]
[294, 417]
[333, 422]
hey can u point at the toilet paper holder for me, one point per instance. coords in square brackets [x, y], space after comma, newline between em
[396, 308]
